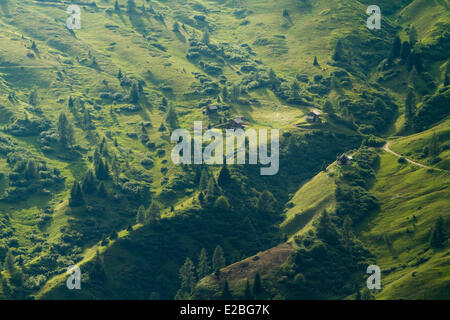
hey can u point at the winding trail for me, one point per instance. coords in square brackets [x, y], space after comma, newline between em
[386, 148]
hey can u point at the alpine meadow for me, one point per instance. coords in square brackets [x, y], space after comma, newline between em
[224, 150]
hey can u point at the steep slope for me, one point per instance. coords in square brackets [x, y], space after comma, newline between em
[120, 80]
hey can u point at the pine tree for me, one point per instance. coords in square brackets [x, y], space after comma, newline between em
[226, 293]
[274, 82]
[315, 63]
[10, 261]
[218, 259]
[116, 6]
[65, 131]
[248, 292]
[213, 191]
[154, 212]
[438, 236]
[172, 117]
[257, 285]
[224, 93]
[235, 93]
[89, 184]
[396, 47]
[70, 104]
[405, 51]
[295, 90]
[418, 62]
[435, 149]
[338, 51]
[224, 176]
[101, 169]
[187, 277]
[134, 93]
[140, 216]
[203, 265]
[326, 230]
[76, 195]
[201, 198]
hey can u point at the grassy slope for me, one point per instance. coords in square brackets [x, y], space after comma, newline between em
[312, 198]
[399, 233]
[311, 32]
[413, 146]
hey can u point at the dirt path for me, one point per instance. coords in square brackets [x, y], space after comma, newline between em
[386, 148]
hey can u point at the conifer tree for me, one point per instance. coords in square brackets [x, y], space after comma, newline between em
[187, 277]
[396, 47]
[204, 267]
[140, 216]
[201, 198]
[405, 51]
[76, 195]
[224, 93]
[326, 230]
[315, 63]
[9, 263]
[224, 176]
[435, 149]
[134, 93]
[65, 131]
[438, 236]
[226, 293]
[218, 259]
[338, 51]
[89, 184]
[248, 292]
[172, 117]
[154, 211]
[213, 191]
[257, 285]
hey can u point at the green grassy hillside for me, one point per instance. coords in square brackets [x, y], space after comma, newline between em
[86, 175]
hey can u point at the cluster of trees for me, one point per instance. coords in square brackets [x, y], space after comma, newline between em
[189, 274]
[145, 216]
[94, 179]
